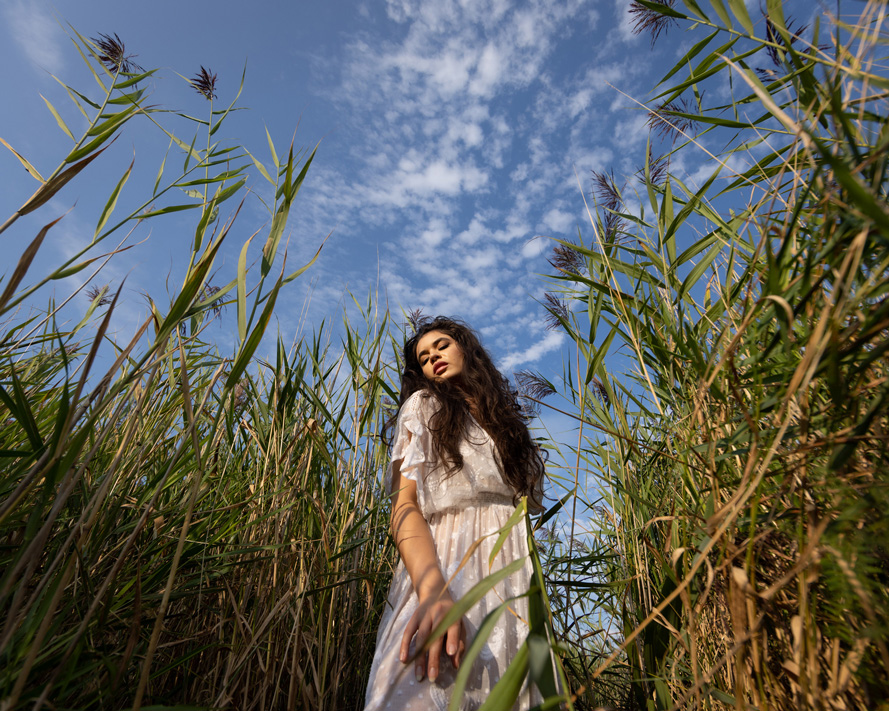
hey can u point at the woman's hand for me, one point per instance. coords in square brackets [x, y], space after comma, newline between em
[429, 613]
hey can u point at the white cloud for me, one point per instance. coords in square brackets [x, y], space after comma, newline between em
[550, 342]
[474, 232]
[482, 259]
[580, 102]
[36, 33]
[441, 177]
[631, 132]
[624, 21]
[398, 10]
[587, 160]
[534, 247]
[735, 164]
[489, 69]
[435, 234]
[474, 116]
[558, 221]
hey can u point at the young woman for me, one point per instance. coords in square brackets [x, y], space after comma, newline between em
[461, 457]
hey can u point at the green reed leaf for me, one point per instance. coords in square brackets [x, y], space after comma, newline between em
[107, 127]
[49, 188]
[252, 343]
[86, 60]
[112, 200]
[32, 171]
[739, 9]
[242, 290]
[695, 50]
[59, 120]
[722, 13]
[168, 209]
[540, 665]
[505, 530]
[131, 81]
[131, 99]
[695, 10]
[481, 637]
[275, 160]
[507, 689]
[18, 407]
[261, 168]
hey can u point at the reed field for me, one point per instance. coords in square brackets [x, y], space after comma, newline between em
[740, 547]
[187, 527]
[181, 527]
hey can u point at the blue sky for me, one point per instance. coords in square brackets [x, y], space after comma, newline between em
[456, 141]
[455, 138]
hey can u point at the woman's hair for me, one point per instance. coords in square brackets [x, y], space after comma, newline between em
[496, 408]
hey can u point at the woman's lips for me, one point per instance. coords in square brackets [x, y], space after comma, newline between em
[439, 367]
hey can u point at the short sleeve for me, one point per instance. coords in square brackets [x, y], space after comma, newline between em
[412, 444]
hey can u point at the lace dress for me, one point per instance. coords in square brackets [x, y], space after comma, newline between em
[460, 509]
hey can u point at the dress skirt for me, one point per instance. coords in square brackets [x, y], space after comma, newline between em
[393, 685]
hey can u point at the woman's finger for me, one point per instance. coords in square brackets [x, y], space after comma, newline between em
[435, 658]
[459, 643]
[420, 670]
[453, 640]
[423, 630]
[409, 632]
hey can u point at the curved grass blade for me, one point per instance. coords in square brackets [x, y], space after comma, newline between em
[32, 171]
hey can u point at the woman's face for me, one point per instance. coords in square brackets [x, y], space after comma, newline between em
[439, 356]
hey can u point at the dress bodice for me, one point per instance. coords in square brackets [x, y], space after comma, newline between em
[478, 483]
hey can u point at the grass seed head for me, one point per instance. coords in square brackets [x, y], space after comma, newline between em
[100, 293]
[204, 82]
[774, 36]
[531, 384]
[567, 260]
[207, 293]
[556, 308]
[663, 120]
[414, 318]
[113, 54]
[658, 169]
[647, 20]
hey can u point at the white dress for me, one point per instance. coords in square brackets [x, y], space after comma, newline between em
[460, 509]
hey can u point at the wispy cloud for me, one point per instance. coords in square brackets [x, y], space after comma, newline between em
[624, 21]
[551, 341]
[465, 129]
[35, 31]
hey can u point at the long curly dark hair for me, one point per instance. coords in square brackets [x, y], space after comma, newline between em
[495, 407]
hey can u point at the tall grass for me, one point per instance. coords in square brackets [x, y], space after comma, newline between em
[742, 455]
[178, 525]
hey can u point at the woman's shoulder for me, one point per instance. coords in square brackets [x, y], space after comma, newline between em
[421, 403]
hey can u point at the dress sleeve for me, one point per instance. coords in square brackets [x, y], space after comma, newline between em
[412, 444]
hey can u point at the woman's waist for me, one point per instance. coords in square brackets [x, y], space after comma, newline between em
[484, 500]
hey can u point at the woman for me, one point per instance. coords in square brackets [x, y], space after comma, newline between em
[461, 458]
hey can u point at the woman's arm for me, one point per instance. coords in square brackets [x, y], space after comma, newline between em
[417, 549]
